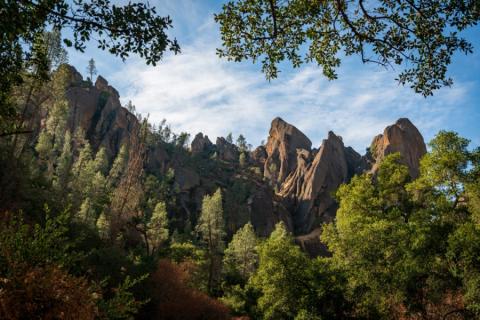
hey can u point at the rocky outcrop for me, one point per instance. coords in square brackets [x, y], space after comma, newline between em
[402, 137]
[311, 185]
[226, 151]
[200, 144]
[98, 112]
[304, 179]
[186, 179]
[283, 142]
[259, 156]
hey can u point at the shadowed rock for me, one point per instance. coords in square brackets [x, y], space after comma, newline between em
[200, 144]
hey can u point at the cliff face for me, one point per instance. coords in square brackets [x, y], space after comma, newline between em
[401, 137]
[283, 142]
[97, 110]
[285, 180]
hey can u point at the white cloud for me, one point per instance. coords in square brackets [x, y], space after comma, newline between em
[196, 91]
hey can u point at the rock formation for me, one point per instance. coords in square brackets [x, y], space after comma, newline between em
[200, 144]
[98, 112]
[304, 179]
[401, 137]
[309, 188]
[283, 142]
[226, 151]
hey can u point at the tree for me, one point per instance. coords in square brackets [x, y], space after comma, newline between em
[241, 254]
[122, 30]
[229, 138]
[157, 228]
[64, 165]
[103, 226]
[51, 138]
[292, 286]
[421, 37]
[211, 227]
[91, 69]
[242, 143]
[407, 247]
[242, 160]
[55, 52]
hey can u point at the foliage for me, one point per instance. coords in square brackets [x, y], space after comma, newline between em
[241, 256]
[408, 247]
[211, 228]
[421, 37]
[292, 285]
[175, 299]
[46, 292]
[122, 30]
[91, 69]
[157, 227]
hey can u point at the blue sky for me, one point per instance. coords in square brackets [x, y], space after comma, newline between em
[196, 91]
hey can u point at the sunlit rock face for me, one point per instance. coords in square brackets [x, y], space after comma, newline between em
[283, 141]
[98, 112]
[402, 137]
[292, 182]
[306, 180]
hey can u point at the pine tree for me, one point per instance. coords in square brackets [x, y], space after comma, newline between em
[91, 69]
[86, 214]
[118, 167]
[242, 143]
[229, 138]
[103, 226]
[211, 228]
[100, 163]
[51, 138]
[157, 227]
[242, 159]
[64, 164]
[241, 255]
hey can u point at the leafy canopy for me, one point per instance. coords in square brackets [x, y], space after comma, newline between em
[420, 36]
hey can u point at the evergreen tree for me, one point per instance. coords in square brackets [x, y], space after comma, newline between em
[103, 226]
[91, 69]
[282, 276]
[242, 159]
[118, 166]
[51, 138]
[157, 227]
[242, 143]
[55, 52]
[229, 138]
[211, 228]
[87, 214]
[241, 254]
[64, 165]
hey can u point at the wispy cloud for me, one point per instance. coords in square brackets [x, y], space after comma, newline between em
[196, 91]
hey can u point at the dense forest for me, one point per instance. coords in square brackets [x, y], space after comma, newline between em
[105, 215]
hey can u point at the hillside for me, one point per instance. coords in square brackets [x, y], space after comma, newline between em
[286, 180]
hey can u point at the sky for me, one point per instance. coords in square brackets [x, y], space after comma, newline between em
[196, 91]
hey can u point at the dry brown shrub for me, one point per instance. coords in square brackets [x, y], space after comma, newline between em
[173, 298]
[451, 307]
[46, 293]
